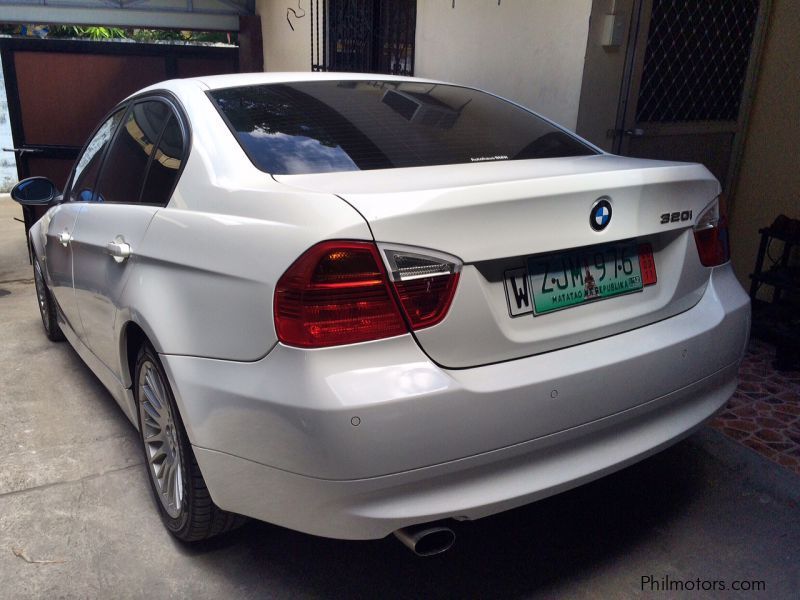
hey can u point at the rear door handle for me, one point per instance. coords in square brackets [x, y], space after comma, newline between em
[65, 238]
[119, 251]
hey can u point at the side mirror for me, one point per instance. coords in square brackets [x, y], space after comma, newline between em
[34, 191]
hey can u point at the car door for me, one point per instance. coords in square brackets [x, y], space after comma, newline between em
[61, 222]
[136, 180]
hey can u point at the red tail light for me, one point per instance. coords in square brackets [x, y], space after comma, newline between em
[426, 301]
[339, 292]
[711, 236]
[425, 282]
[336, 293]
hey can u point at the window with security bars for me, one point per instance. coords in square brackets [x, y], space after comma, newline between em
[696, 60]
[364, 36]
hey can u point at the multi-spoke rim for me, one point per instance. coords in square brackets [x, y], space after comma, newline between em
[41, 295]
[160, 437]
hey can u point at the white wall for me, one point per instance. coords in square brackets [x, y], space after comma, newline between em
[8, 164]
[530, 51]
[284, 49]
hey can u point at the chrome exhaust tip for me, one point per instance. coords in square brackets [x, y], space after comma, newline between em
[426, 539]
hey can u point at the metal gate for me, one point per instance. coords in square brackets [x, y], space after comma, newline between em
[690, 66]
[59, 90]
[367, 36]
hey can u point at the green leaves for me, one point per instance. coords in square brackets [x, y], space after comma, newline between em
[138, 35]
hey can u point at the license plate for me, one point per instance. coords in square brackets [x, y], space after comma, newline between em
[565, 279]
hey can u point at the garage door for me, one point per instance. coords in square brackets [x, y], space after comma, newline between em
[59, 90]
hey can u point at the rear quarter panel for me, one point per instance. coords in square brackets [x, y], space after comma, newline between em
[206, 269]
[204, 281]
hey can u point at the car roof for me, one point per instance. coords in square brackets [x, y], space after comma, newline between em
[191, 85]
[214, 82]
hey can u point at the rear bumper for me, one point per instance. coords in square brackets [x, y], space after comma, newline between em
[354, 442]
[464, 489]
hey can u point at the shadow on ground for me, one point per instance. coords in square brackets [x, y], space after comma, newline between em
[508, 555]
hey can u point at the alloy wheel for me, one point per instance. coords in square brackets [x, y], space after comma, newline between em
[161, 442]
[41, 295]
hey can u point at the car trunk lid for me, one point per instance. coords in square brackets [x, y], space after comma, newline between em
[494, 216]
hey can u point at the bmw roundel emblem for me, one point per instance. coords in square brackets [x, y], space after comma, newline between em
[600, 215]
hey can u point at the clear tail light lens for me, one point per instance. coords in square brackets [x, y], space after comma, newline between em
[711, 236]
[339, 292]
[425, 283]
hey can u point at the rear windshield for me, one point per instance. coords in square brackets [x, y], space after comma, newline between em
[327, 126]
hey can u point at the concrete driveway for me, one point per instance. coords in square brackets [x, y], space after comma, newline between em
[73, 491]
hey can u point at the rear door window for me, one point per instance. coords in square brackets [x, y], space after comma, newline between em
[165, 164]
[326, 126]
[129, 156]
[85, 176]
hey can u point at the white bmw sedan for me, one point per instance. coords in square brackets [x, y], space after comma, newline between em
[353, 305]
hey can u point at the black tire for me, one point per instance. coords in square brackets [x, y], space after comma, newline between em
[47, 306]
[195, 517]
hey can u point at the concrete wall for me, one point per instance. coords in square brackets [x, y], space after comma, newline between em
[285, 49]
[769, 179]
[602, 74]
[531, 51]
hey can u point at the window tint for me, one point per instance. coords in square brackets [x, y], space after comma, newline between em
[165, 165]
[323, 126]
[125, 166]
[89, 163]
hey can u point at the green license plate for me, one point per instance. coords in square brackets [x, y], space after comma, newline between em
[565, 279]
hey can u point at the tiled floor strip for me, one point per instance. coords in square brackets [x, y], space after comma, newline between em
[764, 413]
